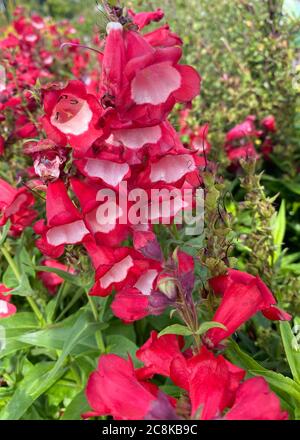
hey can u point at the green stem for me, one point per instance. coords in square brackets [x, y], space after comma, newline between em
[17, 274]
[98, 335]
[175, 231]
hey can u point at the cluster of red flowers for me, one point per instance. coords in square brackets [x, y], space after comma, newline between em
[121, 134]
[118, 131]
[29, 52]
[212, 387]
[241, 139]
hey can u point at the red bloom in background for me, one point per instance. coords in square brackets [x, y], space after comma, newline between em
[50, 279]
[244, 129]
[142, 19]
[2, 145]
[269, 123]
[6, 308]
[16, 206]
[243, 295]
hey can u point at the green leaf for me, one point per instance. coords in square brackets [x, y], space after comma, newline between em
[176, 329]
[123, 347]
[9, 278]
[205, 326]
[24, 262]
[35, 383]
[279, 229]
[278, 382]
[76, 407]
[293, 356]
[4, 231]
[11, 328]
[73, 279]
[54, 338]
[23, 288]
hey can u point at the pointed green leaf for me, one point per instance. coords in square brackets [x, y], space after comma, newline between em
[176, 329]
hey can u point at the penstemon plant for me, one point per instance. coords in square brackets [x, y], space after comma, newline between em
[117, 239]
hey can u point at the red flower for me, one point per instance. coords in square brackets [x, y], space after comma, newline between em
[243, 295]
[269, 123]
[140, 82]
[245, 129]
[113, 389]
[48, 158]
[255, 401]
[157, 354]
[65, 224]
[2, 145]
[15, 205]
[246, 151]
[108, 232]
[163, 37]
[142, 19]
[115, 268]
[6, 308]
[215, 387]
[72, 114]
[134, 303]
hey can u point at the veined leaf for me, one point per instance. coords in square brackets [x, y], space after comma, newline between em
[279, 382]
[76, 407]
[176, 329]
[293, 356]
[205, 326]
[34, 384]
[73, 279]
[279, 230]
